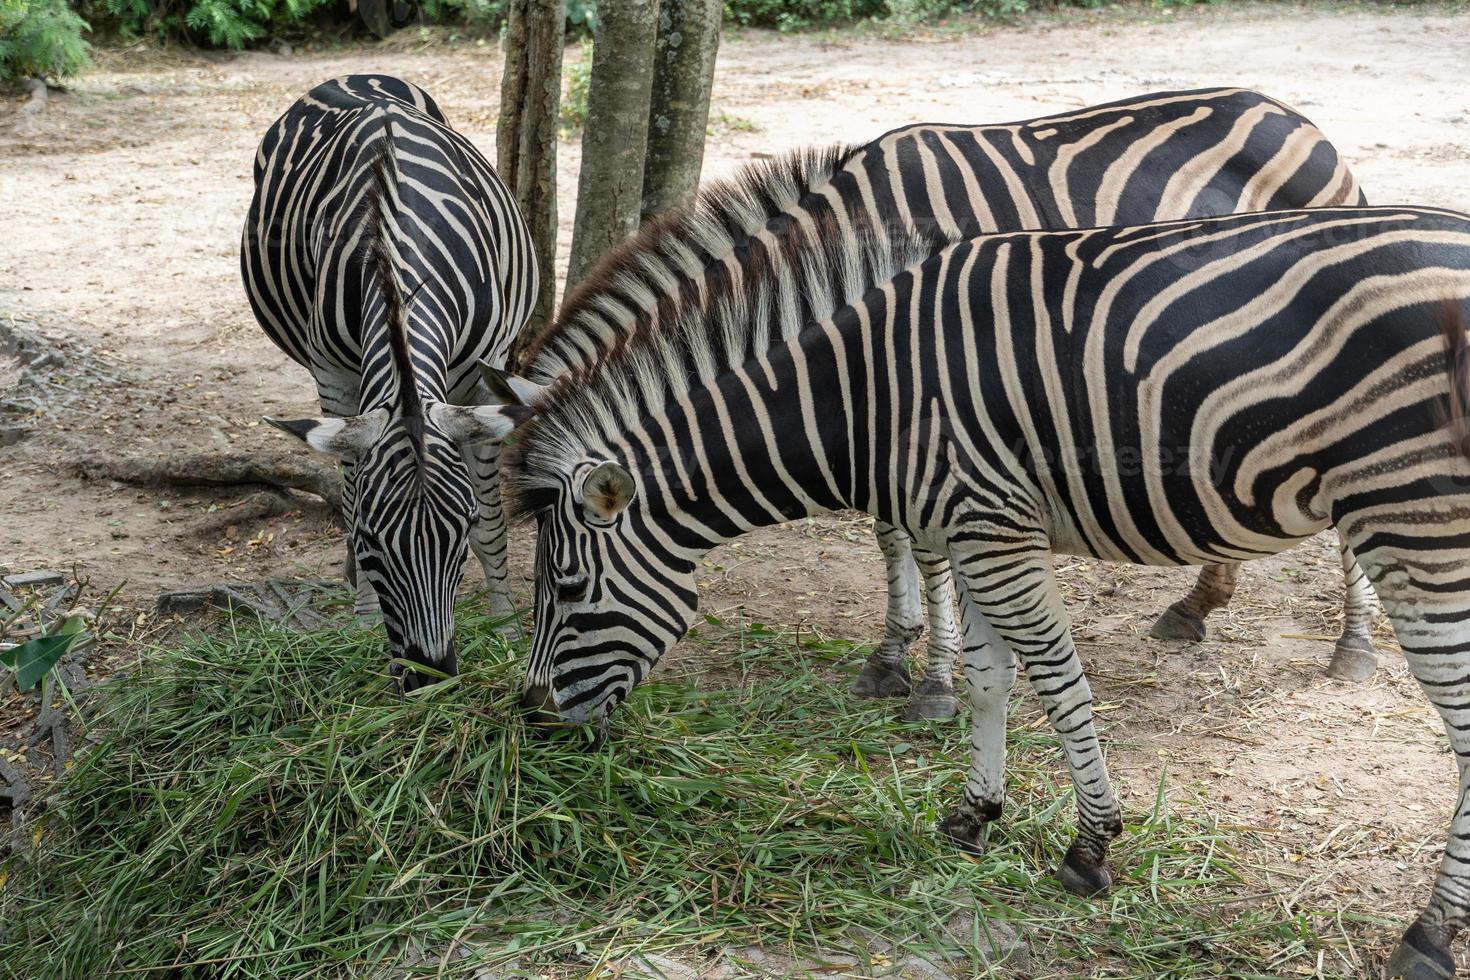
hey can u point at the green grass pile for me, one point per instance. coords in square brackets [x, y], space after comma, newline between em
[261, 806]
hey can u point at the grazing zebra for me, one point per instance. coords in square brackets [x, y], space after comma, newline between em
[1159, 156]
[1217, 389]
[383, 254]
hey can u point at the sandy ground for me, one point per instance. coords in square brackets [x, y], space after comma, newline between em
[121, 207]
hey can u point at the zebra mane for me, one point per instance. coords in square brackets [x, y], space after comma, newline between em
[781, 284]
[644, 277]
[378, 204]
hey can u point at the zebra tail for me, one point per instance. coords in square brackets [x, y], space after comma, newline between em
[1456, 411]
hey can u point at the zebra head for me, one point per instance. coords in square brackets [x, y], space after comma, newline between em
[611, 596]
[413, 511]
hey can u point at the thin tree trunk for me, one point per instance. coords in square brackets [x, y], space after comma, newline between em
[614, 140]
[525, 140]
[684, 69]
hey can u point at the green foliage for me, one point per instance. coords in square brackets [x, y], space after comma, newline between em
[32, 659]
[480, 16]
[260, 805]
[790, 15]
[581, 17]
[576, 80]
[217, 23]
[40, 39]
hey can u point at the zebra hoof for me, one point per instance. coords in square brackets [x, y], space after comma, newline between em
[1353, 659]
[1419, 957]
[1177, 624]
[931, 701]
[964, 832]
[1082, 878]
[881, 680]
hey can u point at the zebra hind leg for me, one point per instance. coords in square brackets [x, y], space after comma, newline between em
[1427, 599]
[933, 698]
[1022, 604]
[1185, 619]
[886, 675]
[1355, 658]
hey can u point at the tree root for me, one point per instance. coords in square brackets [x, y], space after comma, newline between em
[259, 506]
[279, 472]
[273, 600]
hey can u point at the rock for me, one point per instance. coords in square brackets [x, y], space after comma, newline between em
[657, 967]
[743, 961]
[35, 89]
[995, 940]
[31, 580]
[916, 967]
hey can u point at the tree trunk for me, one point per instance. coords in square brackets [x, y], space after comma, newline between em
[614, 140]
[525, 139]
[684, 69]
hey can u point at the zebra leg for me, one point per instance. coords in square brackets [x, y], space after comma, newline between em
[1019, 598]
[365, 608]
[933, 698]
[1355, 658]
[1185, 619]
[885, 675]
[338, 397]
[1431, 618]
[990, 675]
[487, 538]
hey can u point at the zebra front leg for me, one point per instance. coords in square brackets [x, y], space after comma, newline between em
[1019, 598]
[487, 538]
[365, 608]
[933, 697]
[886, 675]
[1185, 619]
[990, 676]
[1355, 658]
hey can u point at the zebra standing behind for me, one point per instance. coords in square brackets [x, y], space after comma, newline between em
[1152, 157]
[1200, 391]
[382, 253]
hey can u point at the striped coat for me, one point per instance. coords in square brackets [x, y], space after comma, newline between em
[382, 253]
[1216, 389]
[1165, 155]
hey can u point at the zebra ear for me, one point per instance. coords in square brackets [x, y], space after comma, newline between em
[470, 425]
[510, 389]
[606, 490]
[345, 438]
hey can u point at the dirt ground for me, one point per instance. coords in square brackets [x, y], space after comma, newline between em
[121, 208]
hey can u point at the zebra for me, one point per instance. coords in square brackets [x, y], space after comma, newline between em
[1157, 156]
[382, 253]
[1215, 389]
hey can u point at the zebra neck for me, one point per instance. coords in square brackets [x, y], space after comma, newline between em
[382, 374]
[761, 445]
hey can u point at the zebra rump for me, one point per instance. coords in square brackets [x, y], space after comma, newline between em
[382, 253]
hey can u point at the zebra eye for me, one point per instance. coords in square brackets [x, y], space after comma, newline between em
[571, 589]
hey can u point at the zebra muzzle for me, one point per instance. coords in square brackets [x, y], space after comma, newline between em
[540, 708]
[410, 679]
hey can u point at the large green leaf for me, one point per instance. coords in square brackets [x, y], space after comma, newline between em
[33, 658]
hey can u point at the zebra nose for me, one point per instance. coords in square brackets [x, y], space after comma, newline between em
[411, 680]
[540, 709]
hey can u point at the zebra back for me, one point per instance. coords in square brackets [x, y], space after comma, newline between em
[1155, 157]
[466, 254]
